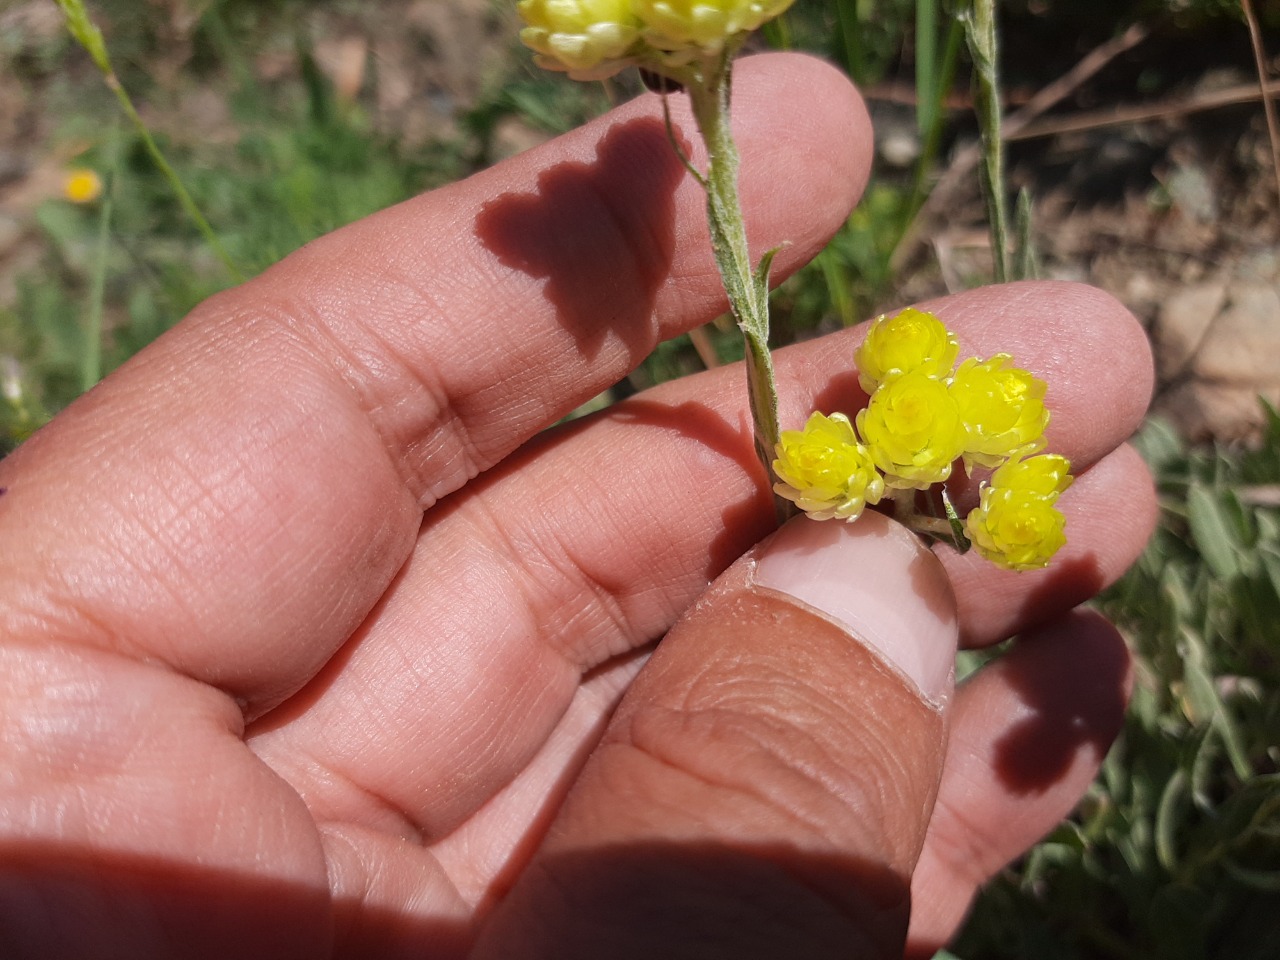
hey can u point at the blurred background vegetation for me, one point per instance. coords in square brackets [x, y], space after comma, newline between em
[1136, 126]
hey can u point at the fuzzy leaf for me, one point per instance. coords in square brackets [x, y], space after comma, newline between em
[1212, 529]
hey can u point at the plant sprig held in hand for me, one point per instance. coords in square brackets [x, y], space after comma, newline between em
[925, 413]
[690, 44]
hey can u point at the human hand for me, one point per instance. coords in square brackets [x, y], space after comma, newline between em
[255, 703]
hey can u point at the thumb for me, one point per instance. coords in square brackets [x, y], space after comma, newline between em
[765, 785]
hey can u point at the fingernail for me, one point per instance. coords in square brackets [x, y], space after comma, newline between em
[876, 579]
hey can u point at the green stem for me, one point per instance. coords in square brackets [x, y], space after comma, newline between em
[91, 360]
[747, 288]
[89, 36]
[175, 182]
[932, 141]
[979, 18]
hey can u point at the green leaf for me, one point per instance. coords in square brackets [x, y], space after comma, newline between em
[1178, 599]
[1270, 561]
[1024, 257]
[959, 538]
[85, 32]
[1201, 697]
[1204, 756]
[1204, 703]
[1169, 819]
[1212, 531]
[1160, 444]
[761, 274]
[1268, 524]
[1253, 877]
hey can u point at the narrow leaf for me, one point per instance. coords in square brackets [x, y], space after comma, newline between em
[761, 274]
[1169, 820]
[1211, 530]
[1024, 251]
[1252, 877]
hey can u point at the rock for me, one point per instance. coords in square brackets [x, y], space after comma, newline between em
[1215, 411]
[1191, 188]
[1262, 264]
[1182, 323]
[1243, 346]
[11, 231]
[1142, 293]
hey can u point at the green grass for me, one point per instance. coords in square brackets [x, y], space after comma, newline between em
[1175, 852]
[299, 163]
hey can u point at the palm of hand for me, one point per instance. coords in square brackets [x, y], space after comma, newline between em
[256, 703]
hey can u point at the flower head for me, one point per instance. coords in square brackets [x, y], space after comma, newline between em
[703, 25]
[1002, 408]
[825, 471]
[1044, 476]
[1016, 524]
[908, 341]
[588, 39]
[82, 186]
[1016, 530]
[912, 430]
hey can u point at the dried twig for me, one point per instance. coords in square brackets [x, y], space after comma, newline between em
[1268, 104]
[1137, 113]
[704, 347]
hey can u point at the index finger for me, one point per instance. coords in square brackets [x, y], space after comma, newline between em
[234, 501]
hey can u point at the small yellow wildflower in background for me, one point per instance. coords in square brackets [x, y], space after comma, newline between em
[1002, 408]
[912, 428]
[908, 341]
[825, 471]
[1016, 524]
[82, 185]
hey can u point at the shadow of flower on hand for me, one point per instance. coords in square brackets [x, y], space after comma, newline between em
[602, 234]
[1074, 690]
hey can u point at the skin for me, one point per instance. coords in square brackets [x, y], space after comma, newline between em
[308, 628]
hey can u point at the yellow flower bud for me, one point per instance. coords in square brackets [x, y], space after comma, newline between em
[1044, 476]
[588, 39]
[910, 340]
[1002, 408]
[825, 471]
[1016, 529]
[703, 25]
[912, 430]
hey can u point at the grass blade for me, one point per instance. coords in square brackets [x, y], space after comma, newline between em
[90, 37]
[927, 98]
[979, 19]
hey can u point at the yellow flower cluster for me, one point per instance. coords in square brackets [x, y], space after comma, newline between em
[924, 414]
[1016, 524]
[594, 39]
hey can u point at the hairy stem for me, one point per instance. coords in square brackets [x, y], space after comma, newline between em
[747, 288]
[979, 18]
